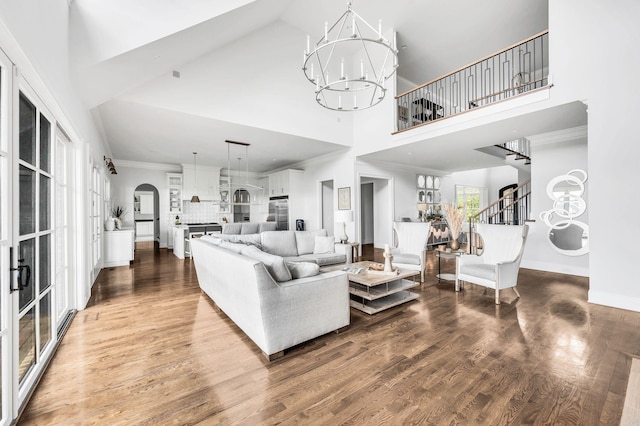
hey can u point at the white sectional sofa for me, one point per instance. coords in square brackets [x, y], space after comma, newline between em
[274, 292]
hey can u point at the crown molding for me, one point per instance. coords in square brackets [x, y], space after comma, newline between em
[404, 167]
[558, 136]
[174, 168]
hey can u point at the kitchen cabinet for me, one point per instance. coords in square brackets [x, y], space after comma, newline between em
[174, 183]
[144, 230]
[178, 240]
[280, 182]
[119, 247]
[146, 203]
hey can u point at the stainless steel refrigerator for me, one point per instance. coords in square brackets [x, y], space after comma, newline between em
[279, 212]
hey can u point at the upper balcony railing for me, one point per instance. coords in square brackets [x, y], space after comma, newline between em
[510, 72]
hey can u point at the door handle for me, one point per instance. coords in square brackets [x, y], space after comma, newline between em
[20, 270]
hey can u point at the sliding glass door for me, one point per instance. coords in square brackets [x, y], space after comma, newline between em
[6, 390]
[34, 240]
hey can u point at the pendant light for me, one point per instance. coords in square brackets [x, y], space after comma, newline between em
[195, 198]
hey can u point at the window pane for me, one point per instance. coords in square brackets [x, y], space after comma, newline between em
[27, 350]
[27, 130]
[45, 202]
[27, 253]
[45, 262]
[45, 144]
[45, 321]
[27, 201]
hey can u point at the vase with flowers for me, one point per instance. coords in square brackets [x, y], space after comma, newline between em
[454, 216]
[117, 212]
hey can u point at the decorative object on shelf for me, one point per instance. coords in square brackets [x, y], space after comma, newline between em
[567, 235]
[109, 163]
[454, 216]
[343, 84]
[177, 219]
[434, 216]
[117, 212]
[344, 198]
[344, 216]
[420, 181]
[109, 224]
[422, 211]
[388, 257]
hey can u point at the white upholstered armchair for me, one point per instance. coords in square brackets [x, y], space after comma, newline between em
[410, 252]
[498, 265]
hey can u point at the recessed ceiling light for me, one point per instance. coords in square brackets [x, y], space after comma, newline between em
[176, 74]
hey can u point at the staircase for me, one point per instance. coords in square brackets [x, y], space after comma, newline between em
[514, 208]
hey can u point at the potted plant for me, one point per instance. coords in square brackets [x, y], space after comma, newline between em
[117, 212]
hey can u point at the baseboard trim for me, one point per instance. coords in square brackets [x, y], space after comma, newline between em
[614, 300]
[558, 269]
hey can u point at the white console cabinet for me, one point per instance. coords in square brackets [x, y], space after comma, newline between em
[119, 247]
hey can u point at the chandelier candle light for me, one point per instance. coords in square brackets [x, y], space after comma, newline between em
[350, 63]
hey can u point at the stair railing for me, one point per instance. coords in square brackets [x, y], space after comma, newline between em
[513, 208]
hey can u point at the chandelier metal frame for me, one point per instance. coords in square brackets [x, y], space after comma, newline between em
[342, 93]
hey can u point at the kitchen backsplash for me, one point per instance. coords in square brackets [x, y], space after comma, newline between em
[202, 212]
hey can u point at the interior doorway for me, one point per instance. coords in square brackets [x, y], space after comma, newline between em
[146, 216]
[376, 211]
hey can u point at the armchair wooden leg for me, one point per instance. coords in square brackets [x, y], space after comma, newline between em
[497, 296]
[516, 290]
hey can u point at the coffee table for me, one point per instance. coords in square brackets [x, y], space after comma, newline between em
[373, 292]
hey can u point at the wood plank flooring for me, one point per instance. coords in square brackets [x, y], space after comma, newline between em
[151, 349]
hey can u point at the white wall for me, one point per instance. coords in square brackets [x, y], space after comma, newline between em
[548, 161]
[589, 40]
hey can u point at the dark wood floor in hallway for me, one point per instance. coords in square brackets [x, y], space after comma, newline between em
[151, 349]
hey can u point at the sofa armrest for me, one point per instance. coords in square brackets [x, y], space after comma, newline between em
[346, 249]
[301, 309]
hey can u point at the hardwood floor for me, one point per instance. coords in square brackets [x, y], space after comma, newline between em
[151, 349]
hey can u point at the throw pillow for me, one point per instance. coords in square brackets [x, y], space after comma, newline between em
[324, 245]
[303, 269]
[275, 264]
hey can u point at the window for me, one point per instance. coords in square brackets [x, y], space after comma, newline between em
[471, 199]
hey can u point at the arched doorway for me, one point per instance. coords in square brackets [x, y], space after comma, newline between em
[146, 216]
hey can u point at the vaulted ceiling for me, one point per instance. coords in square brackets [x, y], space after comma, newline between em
[165, 78]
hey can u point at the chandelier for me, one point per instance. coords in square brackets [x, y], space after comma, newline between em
[350, 63]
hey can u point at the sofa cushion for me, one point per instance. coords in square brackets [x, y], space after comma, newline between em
[247, 239]
[280, 243]
[320, 259]
[249, 228]
[267, 226]
[234, 247]
[305, 240]
[275, 265]
[211, 239]
[303, 269]
[406, 258]
[323, 245]
[231, 228]
[481, 270]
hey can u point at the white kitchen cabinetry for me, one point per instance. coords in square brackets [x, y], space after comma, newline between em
[119, 247]
[174, 183]
[178, 241]
[144, 230]
[206, 185]
[280, 182]
[146, 203]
